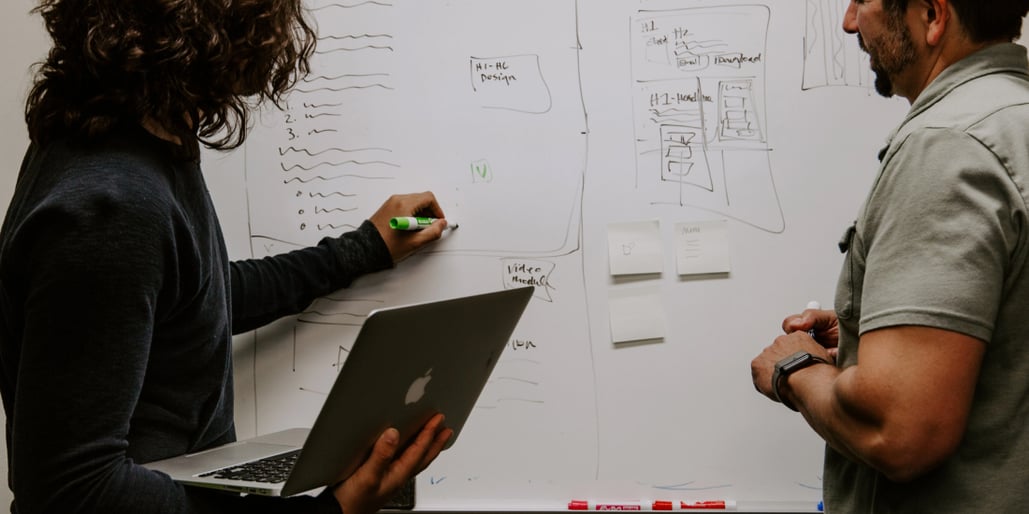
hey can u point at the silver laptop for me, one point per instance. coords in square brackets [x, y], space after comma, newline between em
[407, 364]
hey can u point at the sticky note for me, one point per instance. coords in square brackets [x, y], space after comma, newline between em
[702, 247]
[636, 314]
[635, 247]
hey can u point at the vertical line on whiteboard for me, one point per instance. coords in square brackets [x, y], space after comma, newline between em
[582, 243]
[725, 179]
[632, 104]
[253, 374]
[250, 244]
[703, 142]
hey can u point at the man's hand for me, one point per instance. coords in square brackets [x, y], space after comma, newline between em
[822, 323]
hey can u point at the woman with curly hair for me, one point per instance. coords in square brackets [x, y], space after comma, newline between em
[117, 298]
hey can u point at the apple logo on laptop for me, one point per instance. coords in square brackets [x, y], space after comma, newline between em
[417, 388]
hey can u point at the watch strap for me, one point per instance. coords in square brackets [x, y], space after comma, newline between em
[787, 366]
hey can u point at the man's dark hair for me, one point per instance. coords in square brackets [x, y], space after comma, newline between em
[984, 20]
[193, 66]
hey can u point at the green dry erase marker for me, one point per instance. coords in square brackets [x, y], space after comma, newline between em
[416, 223]
[410, 223]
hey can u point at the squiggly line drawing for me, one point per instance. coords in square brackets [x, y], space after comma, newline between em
[319, 106]
[329, 179]
[353, 36]
[334, 226]
[312, 78]
[322, 114]
[357, 49]
[342, 163]
[814, 36]
[334, 193]
[831, 57]
[322, 210]
[293, 149]
[711, 43]
[338, 89]
[352, 6]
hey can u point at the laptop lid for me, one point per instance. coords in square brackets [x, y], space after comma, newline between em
[406, 364]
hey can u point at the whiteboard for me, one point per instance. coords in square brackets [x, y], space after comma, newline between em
[540, 125]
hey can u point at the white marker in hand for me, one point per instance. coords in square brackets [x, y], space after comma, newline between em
[813, 305]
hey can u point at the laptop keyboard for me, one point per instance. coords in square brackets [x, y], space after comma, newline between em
[269, 470]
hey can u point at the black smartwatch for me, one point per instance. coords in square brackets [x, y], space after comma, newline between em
[791, 364]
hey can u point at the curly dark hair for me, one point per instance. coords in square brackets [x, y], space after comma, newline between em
[196, 67]
[984, 20]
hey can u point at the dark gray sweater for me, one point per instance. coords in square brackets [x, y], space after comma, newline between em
[118, 306]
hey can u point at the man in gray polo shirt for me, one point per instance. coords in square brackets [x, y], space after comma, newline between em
[918, 380]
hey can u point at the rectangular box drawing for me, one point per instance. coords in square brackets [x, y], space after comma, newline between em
[699, 96]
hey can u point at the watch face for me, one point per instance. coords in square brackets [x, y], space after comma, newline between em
[794, 362]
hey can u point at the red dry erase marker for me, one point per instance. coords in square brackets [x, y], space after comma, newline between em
[589, 505]
[708, 505]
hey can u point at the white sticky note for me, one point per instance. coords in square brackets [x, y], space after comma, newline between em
[634, 247]
[636, 315]
[702, 247]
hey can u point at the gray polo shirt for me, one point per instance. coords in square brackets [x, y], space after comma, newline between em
[943, 241]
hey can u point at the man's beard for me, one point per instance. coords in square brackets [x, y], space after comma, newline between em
[890, 55]
[883, 84]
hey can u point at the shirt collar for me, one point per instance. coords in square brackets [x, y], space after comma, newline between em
[999, 58]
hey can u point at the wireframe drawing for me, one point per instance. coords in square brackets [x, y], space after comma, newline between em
[699, 102]
[491, 122]
[832, 57]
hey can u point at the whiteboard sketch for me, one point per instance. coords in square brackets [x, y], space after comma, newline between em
[491, 119]
[698, 101]
[391, 107]
[832, 57]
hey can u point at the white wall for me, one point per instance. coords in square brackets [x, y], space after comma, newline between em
[23, 42]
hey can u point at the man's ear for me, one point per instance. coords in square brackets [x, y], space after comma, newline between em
[936, 16]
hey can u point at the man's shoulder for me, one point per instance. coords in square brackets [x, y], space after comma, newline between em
[983, 99]
[985, 107]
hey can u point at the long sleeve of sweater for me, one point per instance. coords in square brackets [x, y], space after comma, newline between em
[266, 289]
